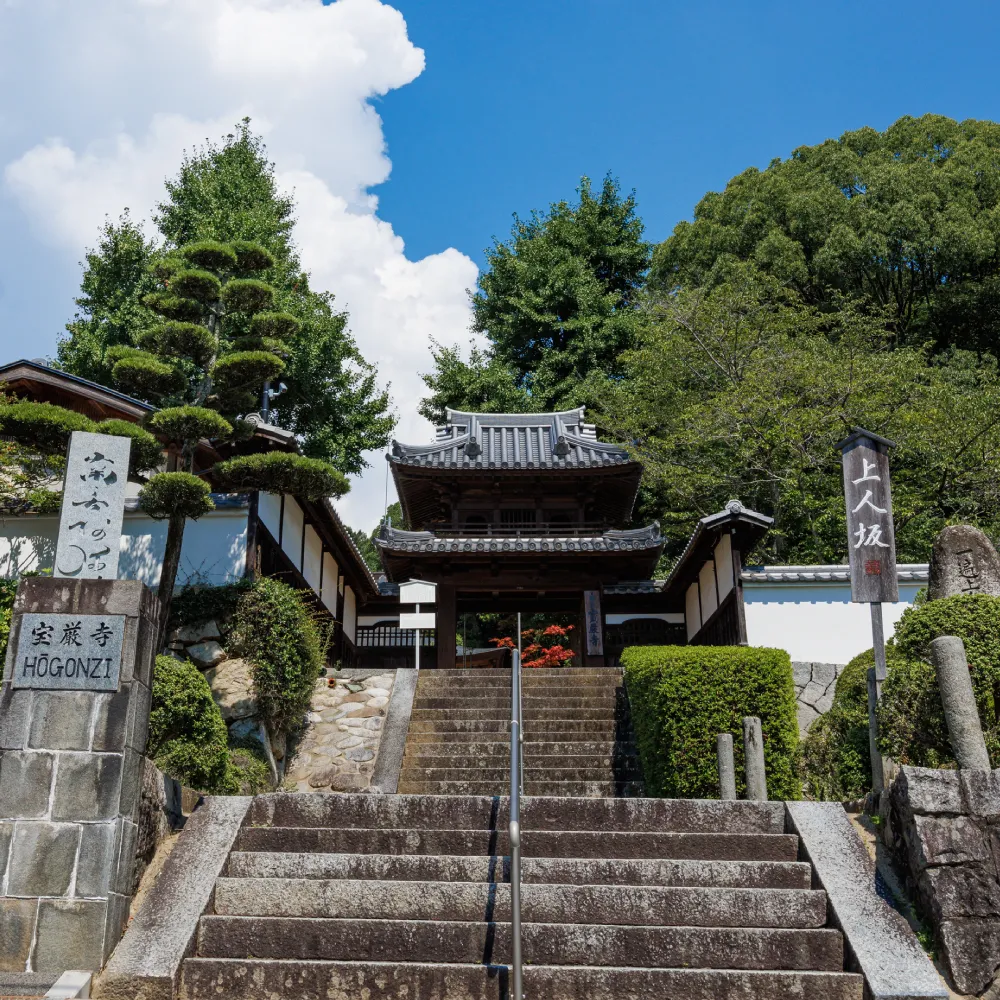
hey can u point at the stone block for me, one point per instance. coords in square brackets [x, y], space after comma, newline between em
[206, 654]
[125, 878]
[139, 717]
[15, 714]
[807, 715]
[116, 923]
[954, 891]
[70, 935]
[949, 840]
[131, 786]
[42, 859]
[111, 724]
[925, 791]
[60, 720]
[17, 928]
[191, 634]
[801, 673]
[972, 952]
[6, 835]
[25, 780]
[825, 673]
[88, 786]
[96, 863]
[232, 688]
[963, 561]
[981, 793]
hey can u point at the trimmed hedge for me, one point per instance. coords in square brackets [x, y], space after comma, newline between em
[682, 697]
[8, 591]
[187, 735]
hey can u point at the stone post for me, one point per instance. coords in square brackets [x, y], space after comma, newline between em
[959, 703]
[71, 743]
[727, 766]
[753, 756]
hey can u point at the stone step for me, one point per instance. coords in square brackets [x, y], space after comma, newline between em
[585, 771]
[532, 748]
[591, 789]
[535, 843]
[527, 672]
[493, 732]
[600, 727]
[536, 762]
[266, 979]
[538, 815]
[643, 905]
[335, 939]
[565, 871]
[529, 716]
[528, 702]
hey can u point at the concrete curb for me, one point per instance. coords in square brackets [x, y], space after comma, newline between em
[71, 985]
[877, 940]
[389, 762]
[146, 964]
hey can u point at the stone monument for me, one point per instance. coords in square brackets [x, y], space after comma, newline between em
[963, 561]
[74, 712]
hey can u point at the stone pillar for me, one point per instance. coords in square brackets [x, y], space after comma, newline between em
[70, 767]
[753, 759]
[959, 702]
[727, 766]
[446, 628]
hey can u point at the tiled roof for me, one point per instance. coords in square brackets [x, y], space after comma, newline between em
[513, 441]
[905, 573]
[397, 540]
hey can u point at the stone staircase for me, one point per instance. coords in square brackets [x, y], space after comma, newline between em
[577, 737]
[407, 896]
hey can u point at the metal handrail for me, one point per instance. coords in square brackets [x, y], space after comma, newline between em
[515, 824]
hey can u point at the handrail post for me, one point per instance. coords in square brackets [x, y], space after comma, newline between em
[516, 992]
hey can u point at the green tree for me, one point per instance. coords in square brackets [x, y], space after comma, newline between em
[116, 277]
[219, 340]
[557, 304]
[227, 193]
[902, 222]
[740, 390]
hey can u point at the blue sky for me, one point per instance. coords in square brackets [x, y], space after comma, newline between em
[520, 98]
[453, 114]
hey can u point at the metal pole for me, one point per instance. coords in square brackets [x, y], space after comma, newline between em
[520, 707]
[416, 648]
[515, 829]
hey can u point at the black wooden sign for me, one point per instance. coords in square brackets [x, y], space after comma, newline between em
[870, 537]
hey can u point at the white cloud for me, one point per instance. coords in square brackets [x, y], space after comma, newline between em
[111, 91]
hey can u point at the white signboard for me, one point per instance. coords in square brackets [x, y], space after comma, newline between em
[595, 630]
[417, 592]
[419, 619]
[69, 652]
[93, 506]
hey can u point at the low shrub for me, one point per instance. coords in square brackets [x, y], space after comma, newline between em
[249, 765]
[279, 634]
[682, 697]
[194, 605]
[187, 735]
[8, 591]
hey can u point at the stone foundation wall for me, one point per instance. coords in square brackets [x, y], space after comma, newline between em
[946, 825]
[814, 687]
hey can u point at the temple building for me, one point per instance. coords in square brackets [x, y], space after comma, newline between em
[531, 513]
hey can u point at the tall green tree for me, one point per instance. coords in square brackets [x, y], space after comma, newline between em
[904, 223]
[227, 192]
[557, 303]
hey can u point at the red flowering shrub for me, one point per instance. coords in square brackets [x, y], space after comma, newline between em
[545, 646]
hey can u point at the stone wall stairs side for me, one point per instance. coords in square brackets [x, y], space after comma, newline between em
[341, 896]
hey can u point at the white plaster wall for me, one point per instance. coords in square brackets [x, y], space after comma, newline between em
[816, 622]
[331, 574]
[291, 531]
[213, 552]
[313, 560]
[350, 615]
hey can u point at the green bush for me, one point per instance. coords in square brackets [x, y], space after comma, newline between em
[210, 254]
[146, 452]
[194, 605]
[243, 368]
[170, 493]
[911, 720]
[251, 256]
[181, 424]
[145, 374]
[248, 295]
[278, 633]
[249, 765]
[41, 425]
[187, 736]
[8, 590]
[181, 340]
[202, 286]
[281, 472]
[836, 755]
[682, 697]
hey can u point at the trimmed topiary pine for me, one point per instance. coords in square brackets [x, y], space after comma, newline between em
[44, 426]
[146, 453]
[281, 472]
[682, 697]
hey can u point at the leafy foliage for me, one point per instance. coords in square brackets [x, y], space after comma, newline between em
[197, 604]
[902, 222]
[41, 425]
[541, 647]
[8, 591]
[187, 736]
[911, 719]
[557, 305]
[280, 472]
[277, 632]
[682, 697]
[180, 424]
[145, 454]
[175, 494]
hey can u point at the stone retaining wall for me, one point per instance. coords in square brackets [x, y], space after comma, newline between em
[814, 687]
[946, 824]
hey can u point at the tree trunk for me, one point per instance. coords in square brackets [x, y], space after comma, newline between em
[171, 562]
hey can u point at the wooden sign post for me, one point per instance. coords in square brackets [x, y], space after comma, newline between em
[871, 543]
